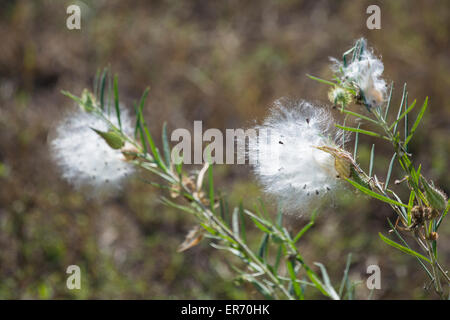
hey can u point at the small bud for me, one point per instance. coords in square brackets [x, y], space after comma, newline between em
[87, 101]
[433, 235]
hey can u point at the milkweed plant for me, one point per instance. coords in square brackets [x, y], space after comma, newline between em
[101, 144]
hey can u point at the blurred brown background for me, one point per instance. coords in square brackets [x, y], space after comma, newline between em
[222, 62]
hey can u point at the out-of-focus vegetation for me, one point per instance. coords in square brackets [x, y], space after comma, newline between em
[220, 62]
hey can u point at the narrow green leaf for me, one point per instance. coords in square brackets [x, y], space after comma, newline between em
[406, 245]
[406, 123]
[262, 251]
[369, 133]
[330, 83]
[416, 123]
[330, 290]
[388, 176]
[363, 117]
[166, 146]
[155, 151]
[211, 186]
[355, 152]
[388, 105]
[295, 285]
[401, 107]
[375, 195]
[235, 222]
[116, 102]
[443, 215]
[404, 114]
[260, 226]
[278, 258]
[412, 196]
[102, 89]
[372, 153]
[303, 230]
[402, 248]
[71, 96]
[138, 128]
[264, 290]
[344, 281]
[242, 219]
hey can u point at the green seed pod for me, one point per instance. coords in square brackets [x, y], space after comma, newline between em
[436, 197]
[113, 139]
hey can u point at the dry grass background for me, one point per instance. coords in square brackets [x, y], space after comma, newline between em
[220, 62]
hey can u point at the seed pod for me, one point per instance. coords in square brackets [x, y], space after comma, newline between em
[436, 197]
[113, 139]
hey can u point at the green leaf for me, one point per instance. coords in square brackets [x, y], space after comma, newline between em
[359, 116]
[355, 152]
[235, 222]
[102, 89]
[71, 96]
[211, 184]
[264, 290]
[391, 165]
[260, 225]
[412, 196]
[116, 102]
[372, 153]
[375, 195]
[369, 133]
[404, 114]
[278, 257]
[166, 147]
[303, 230]
[402, 248]
[262, 251]
[401, 107]
[344, 281]
[242, 219]
[113, 139]
[295, 285]
[388, 105]
[329, 288]
[443, 215]
[406, 245]
[416, 123]
[330, 83]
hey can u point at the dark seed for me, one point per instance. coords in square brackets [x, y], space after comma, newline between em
[280, 142]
